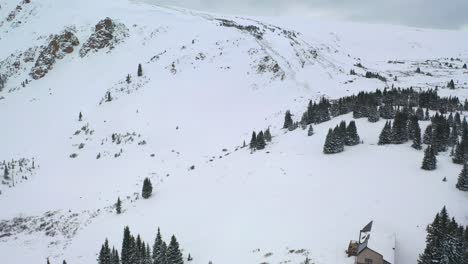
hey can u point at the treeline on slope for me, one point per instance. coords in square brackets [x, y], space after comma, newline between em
[446, 241]
[341, 136]
[136, 251]
[442, 134]
[375, 105]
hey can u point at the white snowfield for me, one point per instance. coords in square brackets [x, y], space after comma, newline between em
[207, 84]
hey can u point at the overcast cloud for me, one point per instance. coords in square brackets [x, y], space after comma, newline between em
[451, 14]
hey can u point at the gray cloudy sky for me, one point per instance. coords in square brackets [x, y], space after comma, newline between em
[420, 13]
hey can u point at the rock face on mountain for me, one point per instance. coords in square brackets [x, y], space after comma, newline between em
[107, 34]
[59, 46]
[18, 9]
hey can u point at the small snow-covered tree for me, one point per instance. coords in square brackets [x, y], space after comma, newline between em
[118, 206]
[451, 84]
[140, 70]
[147, 188]
[288, 122]
[128, 79]
[310, 131]
[267, 135]
[253, 141]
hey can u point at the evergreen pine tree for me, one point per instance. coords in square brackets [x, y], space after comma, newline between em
[253, 141]
[374, 115]
[427, 139]
[148, 258]
[429, 160]
[352, 137]
[310, 132]
[118, 206]
[260, 141]
[420, 114]
[267, 135]
[462, 182]
[158, 251]
[453, 138]
[329, 147]
[126, 250]
[459, 155]
[128, 79]
[65, 262]
[164, 256]
[288, 122]
[386, 134]
[387, 111]
[108, 96]
[451, 85]
[6, 173]
[80, 117]
[115, 256]
[342, 129]
[430, 255]
[139, 250]
[417, 137]
[427, 115]
[464, 66]
[147, 189]
[140, 70]
[174, 256]
[334, 142]
[412, 124]
[105, 254]
[400, 128]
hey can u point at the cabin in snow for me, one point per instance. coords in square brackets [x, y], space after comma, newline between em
[380, 249]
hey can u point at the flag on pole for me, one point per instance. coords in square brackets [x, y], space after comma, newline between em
[367, 228]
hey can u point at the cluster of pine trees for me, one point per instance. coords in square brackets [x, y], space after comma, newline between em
[258, 141]
[316, 112]
[375, 75]
[405, 127]
[460, 150]
[442, 134]
[136, 251]
[446, 241]
[340, 136]
[375, 105]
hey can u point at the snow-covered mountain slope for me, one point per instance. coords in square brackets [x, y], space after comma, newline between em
[208, 81]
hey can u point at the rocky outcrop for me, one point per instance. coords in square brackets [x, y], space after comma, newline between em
[107, 34]
[59, 45]
[13, 14]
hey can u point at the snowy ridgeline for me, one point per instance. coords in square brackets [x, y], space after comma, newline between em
[140, 93]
